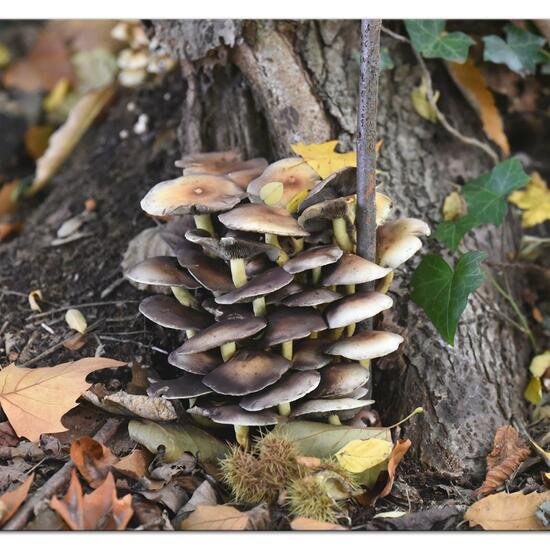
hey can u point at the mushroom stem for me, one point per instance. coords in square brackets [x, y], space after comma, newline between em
[334, 419]
[315, 275]
[286, 350]
[190, 333]
[260, 309]
[365, 363]
[350, 329]
[204, 221]
[284, 409]
[274, 240]
[341, 235]
[228, 350]
[238, 271]
[336, 333]
[298, 244]
[314, 335]
[184, 297]
[241, 434]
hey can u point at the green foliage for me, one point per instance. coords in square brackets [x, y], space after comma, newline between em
[443, 292]
[428, 36]
[486, 200]
[386, 62]
[520, 52]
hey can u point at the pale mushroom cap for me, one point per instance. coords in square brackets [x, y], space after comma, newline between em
[195, 363]
[260, 218]
[397, 241]
[247, 372]
[233, 414]
[311, 298]
[352, 270]
[341, 379]
[292, 324]
[168, 312]
[211, 158]
[310, 354]
[197, 194]
[294, 173]
[263, 284]
[243, 177]
[366, 345]
[255, 165]
[221, 333]
[356, 308]
[290, 388]
[317, 256]
[384, 207]
[324, 407]
[161, 271]
[185, 386]
[358, 393]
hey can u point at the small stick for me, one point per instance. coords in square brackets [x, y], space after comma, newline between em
[80, 306]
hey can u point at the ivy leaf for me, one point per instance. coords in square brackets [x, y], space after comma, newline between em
[520, 52]
[443, 292]
[486, 200]
[429, 37]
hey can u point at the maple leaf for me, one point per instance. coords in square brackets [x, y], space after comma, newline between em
[34, 400]
[534, 201]
[99, 510]
[92, 459]
[10, 501]
[323, 158]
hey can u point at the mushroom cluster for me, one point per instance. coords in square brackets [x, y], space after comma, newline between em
[263, 275]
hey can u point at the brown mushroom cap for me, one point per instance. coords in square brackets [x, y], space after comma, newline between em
[168, 312]
[294, 173]
[397, 241]
[233, 414]
[292, 323]
[318, 215]
[291, 387]
[211, 273]
[352, 270]
[310, 354]
[247, 372]
[292, 288]
[223, 332]
[196, 194]
[185, 386]
[325, 407]
[260, 218]
[263, 284]
[173, 232]
[211, 158]
[256, 265]
[161, 271]
[356, 308]
[311, 298]
[229, 311]
[317, 256]
[340, 184]
[341, 379]
[366, 345]
[195, 363]
[357, 393]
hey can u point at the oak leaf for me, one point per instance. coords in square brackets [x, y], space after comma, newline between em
[215, 518]
[10, 501]
[34, 400]
[323, 158]
[534, 201]
[92, 459]
[99, 510]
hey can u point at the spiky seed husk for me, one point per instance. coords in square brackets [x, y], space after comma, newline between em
[307, 498]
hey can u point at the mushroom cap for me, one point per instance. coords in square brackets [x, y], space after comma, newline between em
[278, 296]
[341, 380]
[233, 414]
[312, 297]
[211, 158]
[357, 393]
[339, 184]
[269, 281]
[352, 270]
[310, 354]
[161, 271]
[260, 218]
[356, 307]
[185, 386]
[211, 273]
[317, 215]
[397, 241]
[169, 313]
[256, 265]
[173, 232]
[325, 407]
[291, 323]
[317, 256]
[195, 194]
[243, 176]
[229, 311]
[195, 363]
[221, 333]
[294, 173]
[291, 387]
[366, 345]
[247, 372]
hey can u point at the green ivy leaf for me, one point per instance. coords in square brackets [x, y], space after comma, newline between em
[486, 200]
[520, 52]
[428, 36]
[386, 62]
[443, 293]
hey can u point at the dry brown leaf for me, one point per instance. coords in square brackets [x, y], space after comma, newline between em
[8, 438]
[100, 510]
[7, 203]
[10, 502]
[509, 451]
[509, 512]
[92, 459]
[144, 406]
[399, 451]
[135, 465]
[8, 230]
[34, 400]
[306, 524]
[215, 518]
[64, 140]
[74, 343]
[472, 83]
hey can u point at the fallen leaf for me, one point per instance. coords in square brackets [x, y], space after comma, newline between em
[10, 501]
[533, 391]
[99, 510]
[454, 206]
[74, 343]
[56, 99]
[34, 400]
[135, 465]
[472, 84]
[8, 204]
[215, 518]
[35, 297]
[421, 103]
[323, 158]
[76, 320]
[306, 524]
[391, 515]
[8, 438]
[36, 140]
[5, 56]
[509, 451]
[360, 455]
[143, 406]
[92, 459]
[204, 495]
[8, 230]
[399, 450]
[534, 201]
[507, 512]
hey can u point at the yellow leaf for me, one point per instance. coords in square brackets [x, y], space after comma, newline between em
[421, 104]
[534, 201]
[215, 518]
[34, 400]
[57, 96]
[540, 363]
[533, 391]
[454, 206]
[323, 158]
[360, 455]
[271, 193]
[5, 56]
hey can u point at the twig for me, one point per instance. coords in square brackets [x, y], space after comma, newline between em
[80, 306]
[58, 480]
[127, 341]
[113, 286]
